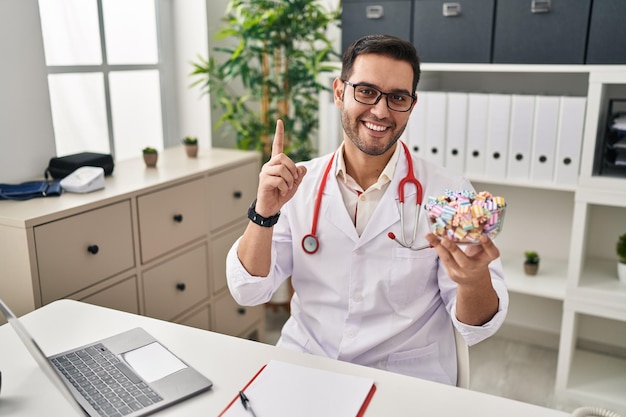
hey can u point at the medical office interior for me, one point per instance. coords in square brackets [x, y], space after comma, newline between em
[522, 96]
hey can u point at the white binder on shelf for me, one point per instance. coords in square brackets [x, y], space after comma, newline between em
[478, 109]
[498, 121]
[520, 136]
[416, 126]
[436, 127]
[569, 139]
[544, 138]
[456, 126]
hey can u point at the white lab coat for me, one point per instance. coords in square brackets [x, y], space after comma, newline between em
[366, 299]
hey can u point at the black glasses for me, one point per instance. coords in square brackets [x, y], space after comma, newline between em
[366, 94]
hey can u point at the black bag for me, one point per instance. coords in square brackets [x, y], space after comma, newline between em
[30, 189]
[63, 166]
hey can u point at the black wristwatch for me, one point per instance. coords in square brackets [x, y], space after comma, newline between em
[256, 218]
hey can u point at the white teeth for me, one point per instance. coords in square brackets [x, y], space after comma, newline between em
[375, 127]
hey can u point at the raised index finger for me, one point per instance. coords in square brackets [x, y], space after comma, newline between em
[277, 145]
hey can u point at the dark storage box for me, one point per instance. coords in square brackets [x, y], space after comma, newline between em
[360, 18]
[541, 31]
[61, 167]
[607, 33]
[460, 31]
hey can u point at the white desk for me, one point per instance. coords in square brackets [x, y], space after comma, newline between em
[228, 361]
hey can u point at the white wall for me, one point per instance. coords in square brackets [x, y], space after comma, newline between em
[191, 39]
[26, 133]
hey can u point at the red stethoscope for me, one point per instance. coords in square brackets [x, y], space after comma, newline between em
[310, 242]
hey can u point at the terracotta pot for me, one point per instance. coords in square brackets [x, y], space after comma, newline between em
[150, 159]
[531, 269]
[192, 150]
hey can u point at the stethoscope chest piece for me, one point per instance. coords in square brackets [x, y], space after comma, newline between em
[310, 244]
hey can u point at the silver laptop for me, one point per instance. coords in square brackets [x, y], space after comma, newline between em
[129, 374]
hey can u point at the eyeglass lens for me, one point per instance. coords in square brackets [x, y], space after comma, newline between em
[369, 95]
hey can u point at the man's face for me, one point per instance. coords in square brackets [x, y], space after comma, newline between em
[374, 129]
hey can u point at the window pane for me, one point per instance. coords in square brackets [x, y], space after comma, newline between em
[79, 113]
[136, 107]
[130, 31]
[70, 32]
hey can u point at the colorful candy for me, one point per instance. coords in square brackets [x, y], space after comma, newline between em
[463, 216]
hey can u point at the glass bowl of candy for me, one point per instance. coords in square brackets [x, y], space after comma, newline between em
[463, 216]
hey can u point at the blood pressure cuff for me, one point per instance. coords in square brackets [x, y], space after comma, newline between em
[30, 189]
[63, 166]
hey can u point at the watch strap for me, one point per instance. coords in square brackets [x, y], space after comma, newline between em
[256, 218]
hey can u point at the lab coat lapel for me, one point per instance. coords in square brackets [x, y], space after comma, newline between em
[387, 214]
[334, 209]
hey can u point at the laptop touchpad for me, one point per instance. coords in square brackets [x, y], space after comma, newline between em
[153, 362]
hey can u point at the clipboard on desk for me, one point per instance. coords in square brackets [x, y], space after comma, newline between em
[282, 389]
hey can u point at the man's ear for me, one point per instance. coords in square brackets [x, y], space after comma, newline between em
[338, 91]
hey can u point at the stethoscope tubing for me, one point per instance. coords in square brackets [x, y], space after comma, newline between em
[310, 242]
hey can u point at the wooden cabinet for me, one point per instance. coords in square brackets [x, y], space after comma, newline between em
[153, 241]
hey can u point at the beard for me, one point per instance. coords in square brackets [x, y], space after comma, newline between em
[371, 147]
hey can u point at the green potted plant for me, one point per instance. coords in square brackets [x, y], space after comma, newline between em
[531, 262]
[620, 248]
[280, 48]
[150, 156]
[191, 146]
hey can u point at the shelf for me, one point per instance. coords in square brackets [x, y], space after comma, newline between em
[550, 281]
[523, 183]
[617, 70]
[599, 282]
[598, 377]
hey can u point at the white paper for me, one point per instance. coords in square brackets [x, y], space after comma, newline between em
[153, 362]
[286, 390]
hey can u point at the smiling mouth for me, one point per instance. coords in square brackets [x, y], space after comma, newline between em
[375, 127]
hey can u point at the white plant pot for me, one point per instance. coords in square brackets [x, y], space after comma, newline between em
[621, 272]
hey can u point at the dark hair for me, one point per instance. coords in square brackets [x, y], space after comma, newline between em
[387, 45]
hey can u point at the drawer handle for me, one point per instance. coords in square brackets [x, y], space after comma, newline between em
[237, 194]
[93, 249]
[181, 286]
[178, 218]
[374, 12]
[451, 9]
[241, 311]
[540, 6]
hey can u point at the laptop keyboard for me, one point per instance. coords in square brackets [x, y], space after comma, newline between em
[107, 383]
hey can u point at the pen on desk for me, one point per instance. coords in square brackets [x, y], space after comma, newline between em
[246, 403]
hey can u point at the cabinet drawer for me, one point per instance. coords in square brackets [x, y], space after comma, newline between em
[220, 245]
[540, 32]
[438, 27]
[364, 17]
[76, 252]
[171, 217]
[177, 284]
[232, 319]
[200, 319]
[231, 192]
[121, 296]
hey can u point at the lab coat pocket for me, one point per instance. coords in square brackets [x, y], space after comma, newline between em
[423, 362]
[409, 274]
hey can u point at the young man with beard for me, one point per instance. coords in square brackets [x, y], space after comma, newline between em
[359, 295]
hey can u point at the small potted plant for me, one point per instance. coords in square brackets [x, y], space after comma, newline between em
[620, 248]
[150, 156]
[531, 262]
[191, 146]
